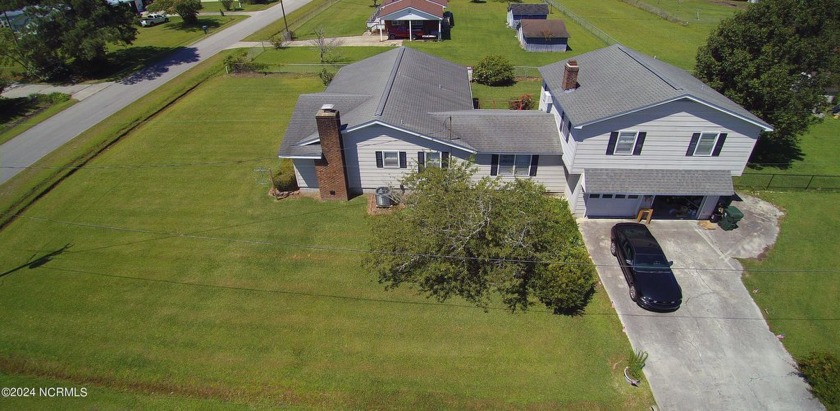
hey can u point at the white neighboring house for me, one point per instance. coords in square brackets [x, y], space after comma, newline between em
[638, 133]
[616, 131]
[404, 109]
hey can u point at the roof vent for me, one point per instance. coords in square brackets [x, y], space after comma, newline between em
[328, 107]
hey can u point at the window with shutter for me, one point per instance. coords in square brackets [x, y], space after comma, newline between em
[706, 144]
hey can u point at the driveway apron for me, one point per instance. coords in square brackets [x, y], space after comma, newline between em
[716, 351]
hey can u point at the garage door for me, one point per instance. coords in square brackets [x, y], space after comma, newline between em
[612, 205]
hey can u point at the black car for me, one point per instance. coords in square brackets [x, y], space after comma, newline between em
[647, 271]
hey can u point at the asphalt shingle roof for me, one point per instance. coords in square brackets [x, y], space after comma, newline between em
[529, 9]
[425, 6]
[422, 94]
[490, 131]
[617, 80]
[544, 29]
[659, 182]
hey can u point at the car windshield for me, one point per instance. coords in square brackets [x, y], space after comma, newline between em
[656, 261]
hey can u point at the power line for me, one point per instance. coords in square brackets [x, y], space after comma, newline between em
[192, 235]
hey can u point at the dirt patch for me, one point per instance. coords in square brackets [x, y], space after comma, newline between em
[374, 210]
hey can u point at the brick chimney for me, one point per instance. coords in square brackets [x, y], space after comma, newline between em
[332, 177]
[570, 75]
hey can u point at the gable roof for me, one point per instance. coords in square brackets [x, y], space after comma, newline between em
[609, 75]
[397, 88]
[434, 8]
[544, 29]
[528, 9]
[422, 95]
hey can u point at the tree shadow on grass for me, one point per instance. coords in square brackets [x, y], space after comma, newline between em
[775, 153]
[181, 55]
[38, 262]
[192, 28]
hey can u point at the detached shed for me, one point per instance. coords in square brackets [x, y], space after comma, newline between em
[522, 11]
[543, 35]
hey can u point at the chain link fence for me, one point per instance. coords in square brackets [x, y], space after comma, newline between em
[773, 181]
[606, 38]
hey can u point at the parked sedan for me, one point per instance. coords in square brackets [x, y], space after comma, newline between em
[648, 272]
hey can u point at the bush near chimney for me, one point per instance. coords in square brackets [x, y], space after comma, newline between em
[285, 179]
[494, 71]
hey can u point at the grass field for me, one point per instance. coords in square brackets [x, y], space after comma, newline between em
[646, 32]
[174, 272]
[295, 19]
[340, 19]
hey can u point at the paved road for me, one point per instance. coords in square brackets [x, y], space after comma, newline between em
[35, 143]
[716, 352]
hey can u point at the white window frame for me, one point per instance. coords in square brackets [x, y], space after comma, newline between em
[428, 163]
[626, 134]
[385, 159]
[515, 171]
[716, 135]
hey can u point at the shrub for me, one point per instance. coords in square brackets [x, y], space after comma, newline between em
[635, 363]
[822, 370]
[285, 179]
[524, 102]
[326, 76]
[494, 71]
[227, 4]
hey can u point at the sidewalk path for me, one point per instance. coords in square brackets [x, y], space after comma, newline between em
[365, 40]
[98, 104]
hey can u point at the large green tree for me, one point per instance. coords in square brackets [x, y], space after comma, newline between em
[776, 59]
[70, 36]
[459, 236]
[187, 9]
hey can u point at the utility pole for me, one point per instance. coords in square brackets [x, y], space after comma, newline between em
[287, 35]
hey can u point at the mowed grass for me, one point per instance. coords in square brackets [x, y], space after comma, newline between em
[215, 6]
[339, 19]
[797, 285]
[20, 125]
[708, 12]
[164, 268]
[646, 32]
[480, 30]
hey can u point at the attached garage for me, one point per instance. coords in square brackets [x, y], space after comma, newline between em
[678, 194]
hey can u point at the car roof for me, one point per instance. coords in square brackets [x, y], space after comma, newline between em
[639, 237]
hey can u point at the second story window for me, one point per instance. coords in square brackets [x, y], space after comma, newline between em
[706, 144]
[626, 143]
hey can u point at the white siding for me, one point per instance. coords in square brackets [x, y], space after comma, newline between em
[360, 149]
[550, 171]
[669, 129]
[305, 173]
[570, 146]
[576, 200]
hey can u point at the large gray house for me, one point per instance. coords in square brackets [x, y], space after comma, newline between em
[616, 131]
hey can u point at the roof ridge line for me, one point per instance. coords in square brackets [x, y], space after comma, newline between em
[651, 69]
[380, 108]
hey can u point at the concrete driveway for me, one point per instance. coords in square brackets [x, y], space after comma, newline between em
[716, 351]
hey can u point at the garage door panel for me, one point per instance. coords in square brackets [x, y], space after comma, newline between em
[607, 205]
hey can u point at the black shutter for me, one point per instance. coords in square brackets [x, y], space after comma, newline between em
[421, 160]
[692, 145]
[403, 161]
[379, 159]
[494, 165]
[535, 159]
[611, 144]
[719, 145]
[444, 159]
[640, 141]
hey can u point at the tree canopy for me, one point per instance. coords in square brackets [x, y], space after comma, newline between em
[187, 9]
[459, 236]
[67, 36]
[776, 59]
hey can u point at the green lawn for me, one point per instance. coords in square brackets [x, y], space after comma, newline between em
[295, 19]
[480, 31]
[797, 282]
[646, 32]
[163, 268]
[802, 305]
[340, 19]
[702, 12]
